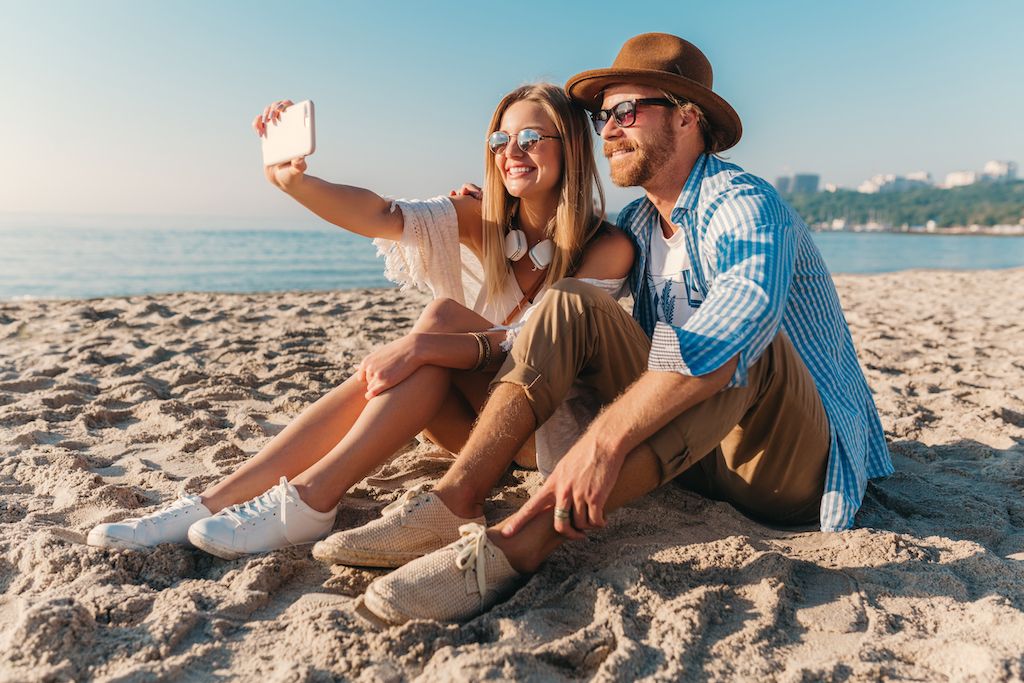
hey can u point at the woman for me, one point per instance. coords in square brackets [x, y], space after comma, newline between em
[540, 179]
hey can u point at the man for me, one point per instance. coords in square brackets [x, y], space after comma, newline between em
[738, 375]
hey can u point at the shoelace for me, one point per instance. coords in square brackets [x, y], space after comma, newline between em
[470, 555]
[406, 499]
[183, 501]
[280, 495]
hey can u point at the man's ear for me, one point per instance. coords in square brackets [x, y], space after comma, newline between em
[686, 117]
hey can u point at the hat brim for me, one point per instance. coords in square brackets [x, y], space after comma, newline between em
[586, 89]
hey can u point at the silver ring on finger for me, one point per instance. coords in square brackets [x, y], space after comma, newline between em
[563, 513]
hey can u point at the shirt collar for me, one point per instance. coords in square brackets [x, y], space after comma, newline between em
[691, 190]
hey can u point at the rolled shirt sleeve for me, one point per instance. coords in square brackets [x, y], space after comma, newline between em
[751, 245]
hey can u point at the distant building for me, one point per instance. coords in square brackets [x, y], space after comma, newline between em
[889, 182]
[784, 184]
[961, 178]
[1000, 170]
[805, 182]
[830, 187]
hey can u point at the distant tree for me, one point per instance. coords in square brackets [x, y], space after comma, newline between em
[978, 204]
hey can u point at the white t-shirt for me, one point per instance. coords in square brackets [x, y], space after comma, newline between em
[676, 296]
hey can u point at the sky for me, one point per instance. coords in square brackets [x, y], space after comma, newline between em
[139, 112]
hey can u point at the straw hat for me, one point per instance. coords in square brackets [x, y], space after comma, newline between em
[672, 64]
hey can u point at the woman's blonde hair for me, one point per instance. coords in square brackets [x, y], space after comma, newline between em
[577, 217]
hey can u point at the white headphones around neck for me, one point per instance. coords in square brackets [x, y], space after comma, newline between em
[516, 247]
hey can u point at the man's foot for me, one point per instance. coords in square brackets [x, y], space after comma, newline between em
[454, 583]
[276, 519]
[167, 525]
[414, 525]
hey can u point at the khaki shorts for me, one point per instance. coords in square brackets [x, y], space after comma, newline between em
[763, 447]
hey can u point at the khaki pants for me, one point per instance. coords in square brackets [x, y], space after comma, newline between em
[763, 447]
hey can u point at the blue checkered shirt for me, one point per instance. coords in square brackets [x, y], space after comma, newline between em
[758, 271]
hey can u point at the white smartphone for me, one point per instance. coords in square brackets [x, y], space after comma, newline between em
[291, 136]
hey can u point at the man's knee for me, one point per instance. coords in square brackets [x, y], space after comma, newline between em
[569, 300]
[574, 287]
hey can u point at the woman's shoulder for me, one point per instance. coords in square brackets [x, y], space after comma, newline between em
[611, 236]
[611, 252]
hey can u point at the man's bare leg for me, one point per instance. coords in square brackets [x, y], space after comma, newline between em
[505, 424]
[451, 427]
[527, 550]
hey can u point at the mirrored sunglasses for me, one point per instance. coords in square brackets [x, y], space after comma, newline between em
[527, 139]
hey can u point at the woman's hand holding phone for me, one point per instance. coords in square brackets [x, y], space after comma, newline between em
[287, 134]
[286, 175]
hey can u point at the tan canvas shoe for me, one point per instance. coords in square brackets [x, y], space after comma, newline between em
[414, 525]
[454, 583]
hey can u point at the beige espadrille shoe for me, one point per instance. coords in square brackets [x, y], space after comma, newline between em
[414, 525]
[455, 583]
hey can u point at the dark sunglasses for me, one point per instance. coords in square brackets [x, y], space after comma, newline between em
[624, 113]
[527, 139]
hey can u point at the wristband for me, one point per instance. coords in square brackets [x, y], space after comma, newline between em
[484, 359]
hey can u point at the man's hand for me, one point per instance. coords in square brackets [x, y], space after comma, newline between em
[587, 474]
[389, 365]
[468, 190]
[580, 484]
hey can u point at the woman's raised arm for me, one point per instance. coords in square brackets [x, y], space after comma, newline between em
[353, 208]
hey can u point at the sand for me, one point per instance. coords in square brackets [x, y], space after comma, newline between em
[109, 407]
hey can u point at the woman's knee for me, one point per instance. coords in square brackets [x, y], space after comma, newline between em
[439, 316]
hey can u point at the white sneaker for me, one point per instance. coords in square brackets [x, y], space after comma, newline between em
[276, 519]
[167, 525]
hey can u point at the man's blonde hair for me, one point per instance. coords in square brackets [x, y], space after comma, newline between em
[581, 208]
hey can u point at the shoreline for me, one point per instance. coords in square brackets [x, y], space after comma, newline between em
[377, 290]
[939, 232]
[111, 406]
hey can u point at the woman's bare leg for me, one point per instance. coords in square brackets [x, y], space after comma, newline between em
[302, 443]
[451, 425]
[316, 450]
[392, 418]
[388, 421]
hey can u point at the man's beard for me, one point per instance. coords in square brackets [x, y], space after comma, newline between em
[646, 160]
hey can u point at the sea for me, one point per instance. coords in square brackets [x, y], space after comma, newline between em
[76, 263]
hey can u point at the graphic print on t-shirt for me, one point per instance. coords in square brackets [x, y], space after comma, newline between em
[676, 295]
